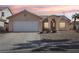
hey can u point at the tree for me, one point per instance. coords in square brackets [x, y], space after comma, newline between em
[75, 16]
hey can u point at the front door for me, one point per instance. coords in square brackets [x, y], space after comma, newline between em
[53, 25]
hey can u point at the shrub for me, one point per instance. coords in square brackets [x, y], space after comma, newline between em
[1, 29]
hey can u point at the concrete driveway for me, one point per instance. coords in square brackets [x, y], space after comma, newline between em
[7, 40]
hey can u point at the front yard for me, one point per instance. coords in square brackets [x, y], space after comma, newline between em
[32, 42]
[61, 35]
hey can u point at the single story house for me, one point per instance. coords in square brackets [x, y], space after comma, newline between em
[25, 21]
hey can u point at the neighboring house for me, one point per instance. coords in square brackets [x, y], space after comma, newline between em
[4, 13]
[25, 21]
[56, 23]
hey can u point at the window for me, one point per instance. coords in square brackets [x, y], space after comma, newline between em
[62, 25]
[46, 25]
[2, 13]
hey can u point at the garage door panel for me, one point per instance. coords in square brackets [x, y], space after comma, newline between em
[25, 26]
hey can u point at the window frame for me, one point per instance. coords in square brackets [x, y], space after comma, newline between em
[46, 25]
[62, 23]
[2, 14]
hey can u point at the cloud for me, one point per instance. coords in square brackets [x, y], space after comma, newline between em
[44, 9]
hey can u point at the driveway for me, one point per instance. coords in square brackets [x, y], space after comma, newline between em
[8, 40]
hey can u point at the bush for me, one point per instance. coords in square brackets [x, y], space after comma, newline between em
[1, 29]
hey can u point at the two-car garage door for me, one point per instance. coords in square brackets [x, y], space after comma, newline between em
[28, 26]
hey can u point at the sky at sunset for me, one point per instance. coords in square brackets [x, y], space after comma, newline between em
[67, 10]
